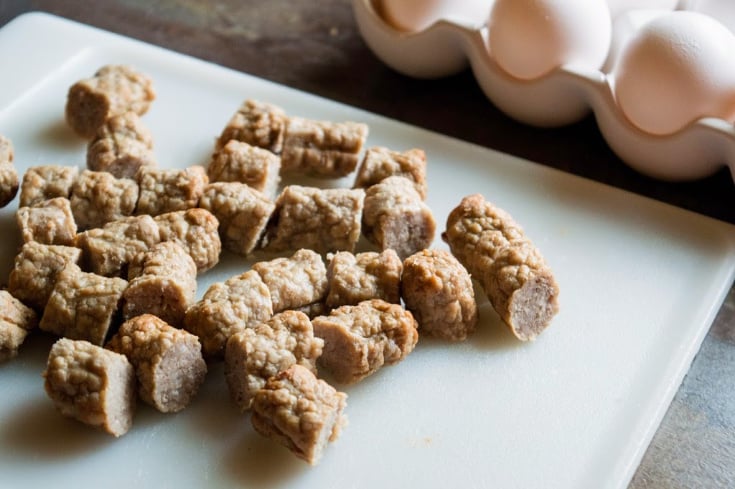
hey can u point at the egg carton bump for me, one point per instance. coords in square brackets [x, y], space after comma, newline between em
[659, 75]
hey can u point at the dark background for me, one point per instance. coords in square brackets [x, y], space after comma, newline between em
[315, 46]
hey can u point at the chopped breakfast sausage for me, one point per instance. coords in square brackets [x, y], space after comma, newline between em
[48, 222]
[98, 197]
[438, 291]
[258, 353]
[323, 220]
[295, 281]
[121, 146]
[515, 277]
[256, 123]
[522, 289]
[380, 163]
[320, 148]
[36, 267]
[241, 162]
[83, 306]
[168, 361]
[109, 250]
[46, 182]
[8, 173]
[196, 231]
[300, 412]
[359, 340]
[477, 231]
[368, 275]
[112, 91]
[16, 320]
[162, 281]
[396, 217]
[227, 308]
[92, 385]
[172, 190]
[242, 212]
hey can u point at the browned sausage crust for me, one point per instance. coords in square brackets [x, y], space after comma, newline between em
[227, 308]
[361, 339]
[257, 123]
[8, 173]
[396, 217]
[438, 291]
[35, 270]
[242, 212]
[46, 182]
[300, 412]
[162, 282]
[112, 91]
[258, 353]
[322, 148]
[368, 275]
[380, 163]
[168, 361]
[492, 246]
[16, 320]
[170, 190]
[122, 145]
[83, 306]
[92, 385]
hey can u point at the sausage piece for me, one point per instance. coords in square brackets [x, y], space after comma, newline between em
[46, 182]
[227, 308]
[162, 282]
[91, 384]
[168, 361]
[438, 291]
[380, 163]
[361, 339]
[296, 281]
[368, 275]
[396, 217]
[82, 306]
[515, 277]
[170, 190]
[258, 353]
[122, 145]
[242, 212]
[112, 91]
[321, 148]
[109, 250]
[323, 220]
[35, 270]
[49, 222]
[196, 231]
[16, 320]
[98, 197]
[300, 412]
[8, 173]
[238, 161]
[257, 123]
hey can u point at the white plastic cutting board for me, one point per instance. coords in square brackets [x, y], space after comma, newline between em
[640, 284]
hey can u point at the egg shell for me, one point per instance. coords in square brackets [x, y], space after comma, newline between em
[566, 94]
[619, 7]
[678, 68]
[530, 38]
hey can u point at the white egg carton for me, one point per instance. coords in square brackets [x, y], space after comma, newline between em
[570, 91]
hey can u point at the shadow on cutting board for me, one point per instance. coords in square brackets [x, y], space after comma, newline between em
[35, 429]
[256, 461]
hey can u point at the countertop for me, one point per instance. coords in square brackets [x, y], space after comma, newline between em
[315, 46]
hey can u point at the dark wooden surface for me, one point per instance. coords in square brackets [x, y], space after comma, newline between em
[315, 46]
